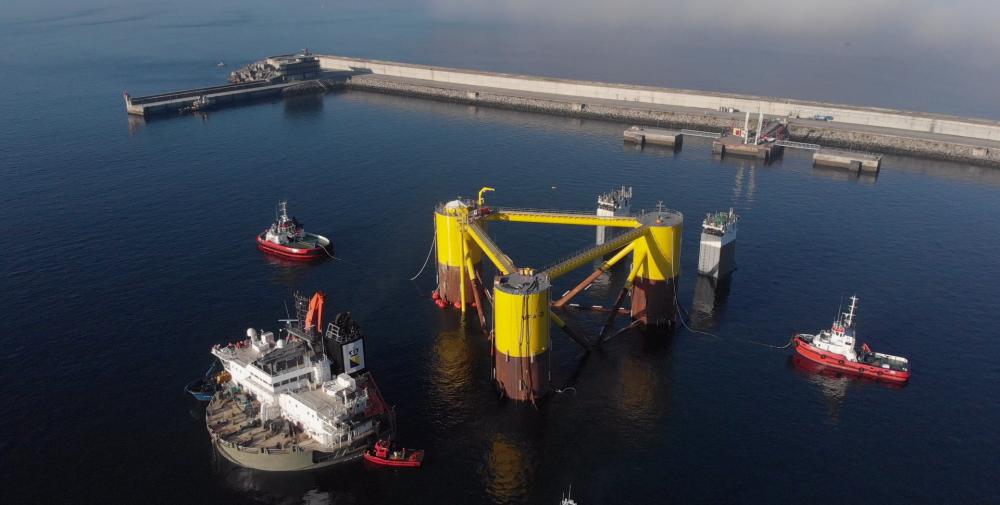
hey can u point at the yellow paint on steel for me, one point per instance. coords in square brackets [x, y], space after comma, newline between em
[554, 217]
[486, 245]
[521, 321]
[448, 225]
[555, 319]
[461, 279]
[618, 257]
[588, 255]
[482, 190]
[660, 250]
[637, 260]
[470, 269]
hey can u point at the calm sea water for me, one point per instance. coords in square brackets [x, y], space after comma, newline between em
[128, 252]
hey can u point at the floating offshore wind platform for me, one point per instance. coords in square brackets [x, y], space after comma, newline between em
[521, 297]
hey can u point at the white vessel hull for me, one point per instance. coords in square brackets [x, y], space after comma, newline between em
[287, 460]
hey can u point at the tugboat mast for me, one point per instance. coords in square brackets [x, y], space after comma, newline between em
[849, 315]
[282, 214]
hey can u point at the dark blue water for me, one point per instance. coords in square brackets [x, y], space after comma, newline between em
[128, 252]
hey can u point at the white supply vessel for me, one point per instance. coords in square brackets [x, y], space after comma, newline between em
[297, 399]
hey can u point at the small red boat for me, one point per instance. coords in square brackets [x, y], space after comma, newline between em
[834, 349]
[286, 238]
[384, 454]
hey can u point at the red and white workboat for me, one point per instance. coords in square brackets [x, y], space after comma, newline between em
[834, 349]
[287, 239]
[383, 454]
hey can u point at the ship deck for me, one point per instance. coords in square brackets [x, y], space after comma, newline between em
[230, 422]
[303, 244]
[310, 241]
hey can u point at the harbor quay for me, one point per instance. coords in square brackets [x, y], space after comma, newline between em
[846, 127]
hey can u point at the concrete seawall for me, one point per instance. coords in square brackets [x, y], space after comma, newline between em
[882, 130]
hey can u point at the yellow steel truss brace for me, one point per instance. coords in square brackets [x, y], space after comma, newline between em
[552, 217]
[479, 236]
[588, 255]
[593, 276]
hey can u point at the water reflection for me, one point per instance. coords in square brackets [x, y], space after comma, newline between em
[639, 397]
[710, 296]
[642, 393]
[451, 376]
[289, 273]
[744, 183]
[652, 149]
[953, 171]
[603, 290]
[304, 105]
[285, 487]
[832, 385]
[843, 174]
[509, 469]
[135, 123]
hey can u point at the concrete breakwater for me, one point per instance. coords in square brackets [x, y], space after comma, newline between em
[223, 96]
[873, 129]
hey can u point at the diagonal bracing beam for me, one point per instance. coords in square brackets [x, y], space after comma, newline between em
[590, 254]
[501, 260]
[593, 277]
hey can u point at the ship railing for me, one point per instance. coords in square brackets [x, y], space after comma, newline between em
[258, 450]
[575, 260]
[529, 210]
[799, 145]
[701, 133]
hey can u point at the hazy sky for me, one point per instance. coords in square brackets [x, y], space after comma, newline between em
[965, 29]
[925, 55]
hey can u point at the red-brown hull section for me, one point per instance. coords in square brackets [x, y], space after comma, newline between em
[413, 461]
[841, 364]
[289, 253]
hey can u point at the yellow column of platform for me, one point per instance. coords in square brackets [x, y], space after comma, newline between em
[461, 276]
[521, 335]
[449, 238]
[660, 253]
[452, 252]
[657, 267]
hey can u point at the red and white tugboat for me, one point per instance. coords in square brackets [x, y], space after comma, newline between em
[834, 349]
[287, 239]
[384, 454]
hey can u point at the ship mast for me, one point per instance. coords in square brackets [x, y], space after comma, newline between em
[849, 315]
[282, 211]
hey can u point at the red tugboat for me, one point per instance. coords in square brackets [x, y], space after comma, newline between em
[834, 349]
[384, 455]
[286, 239]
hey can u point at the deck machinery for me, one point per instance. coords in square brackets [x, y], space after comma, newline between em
[613, 203]
[717, 257]
[521, 297]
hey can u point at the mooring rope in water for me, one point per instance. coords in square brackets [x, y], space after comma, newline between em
[427, 260]
[787, 344]
[684, 314]
[338, 258]
[684, 323]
